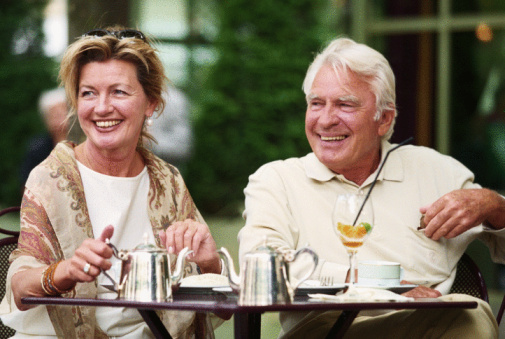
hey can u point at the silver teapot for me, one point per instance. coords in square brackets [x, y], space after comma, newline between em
[264, 275]
[145, 272]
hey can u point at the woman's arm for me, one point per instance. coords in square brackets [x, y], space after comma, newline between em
[38, 240]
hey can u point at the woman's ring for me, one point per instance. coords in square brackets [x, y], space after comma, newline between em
[86, 268]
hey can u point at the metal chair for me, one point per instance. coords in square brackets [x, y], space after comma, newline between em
[500, 312]
[469, 279]
[7, 245]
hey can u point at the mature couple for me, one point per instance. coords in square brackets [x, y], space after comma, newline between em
[111, 186]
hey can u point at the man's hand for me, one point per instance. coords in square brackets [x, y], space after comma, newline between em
[421, 292]
[460, 210]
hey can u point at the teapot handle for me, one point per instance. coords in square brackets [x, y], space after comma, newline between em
[315, 259]
[119, 255]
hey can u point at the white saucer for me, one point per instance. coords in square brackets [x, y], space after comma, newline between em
[396, 289]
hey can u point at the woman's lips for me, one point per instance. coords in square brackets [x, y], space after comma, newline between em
[108, 123]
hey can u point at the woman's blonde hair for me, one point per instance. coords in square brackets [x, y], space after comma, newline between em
[136, 50]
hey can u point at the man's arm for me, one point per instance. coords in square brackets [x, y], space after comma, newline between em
[460, 210]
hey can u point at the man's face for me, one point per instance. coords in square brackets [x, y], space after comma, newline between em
[340, 125]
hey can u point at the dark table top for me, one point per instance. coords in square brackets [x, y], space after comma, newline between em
[218, 302]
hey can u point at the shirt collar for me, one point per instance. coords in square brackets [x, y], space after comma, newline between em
[392, 171]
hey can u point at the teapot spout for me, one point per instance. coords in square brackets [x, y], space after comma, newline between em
[179, 271]
[233, 278]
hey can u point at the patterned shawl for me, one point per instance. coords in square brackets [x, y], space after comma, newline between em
[55, 221]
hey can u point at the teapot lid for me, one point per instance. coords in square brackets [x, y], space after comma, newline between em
[145, 246]
[264, 248]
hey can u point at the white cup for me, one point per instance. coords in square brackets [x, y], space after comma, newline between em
[379, 273]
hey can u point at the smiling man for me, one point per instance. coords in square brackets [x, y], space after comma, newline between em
[351, 112]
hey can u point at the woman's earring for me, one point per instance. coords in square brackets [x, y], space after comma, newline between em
[149, 122]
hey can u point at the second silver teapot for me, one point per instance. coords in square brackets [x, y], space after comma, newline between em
[264, 275]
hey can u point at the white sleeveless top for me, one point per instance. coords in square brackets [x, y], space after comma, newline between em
[121, 202]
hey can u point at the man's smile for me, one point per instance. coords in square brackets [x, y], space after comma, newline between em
[337, 138]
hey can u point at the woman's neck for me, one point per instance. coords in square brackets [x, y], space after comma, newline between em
[117, 163]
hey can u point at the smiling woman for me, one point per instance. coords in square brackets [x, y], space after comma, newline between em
[108, 187]
[111, 107]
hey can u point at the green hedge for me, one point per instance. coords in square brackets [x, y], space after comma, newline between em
[23, 75]
[252, 107]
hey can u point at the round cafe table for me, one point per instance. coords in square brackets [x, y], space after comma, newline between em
[247, 319]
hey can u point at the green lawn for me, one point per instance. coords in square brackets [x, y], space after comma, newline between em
[10, 222]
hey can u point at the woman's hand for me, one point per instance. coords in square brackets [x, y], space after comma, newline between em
[87, 262]
[196, 236]
[68, 273]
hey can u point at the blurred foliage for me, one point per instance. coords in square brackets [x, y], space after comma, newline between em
[252, 108]
[24, 73]
[478, 104]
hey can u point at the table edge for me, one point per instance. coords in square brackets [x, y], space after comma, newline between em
[231, 306]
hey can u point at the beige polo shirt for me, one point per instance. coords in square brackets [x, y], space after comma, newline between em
[290, 203]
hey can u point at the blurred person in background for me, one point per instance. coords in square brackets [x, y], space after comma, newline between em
[53, 109]
[350, 117]
[172, 129]
[108, 187]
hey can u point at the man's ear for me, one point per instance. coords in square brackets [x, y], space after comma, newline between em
[386, 119]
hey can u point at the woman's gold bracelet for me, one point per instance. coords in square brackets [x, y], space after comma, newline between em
[47, 281]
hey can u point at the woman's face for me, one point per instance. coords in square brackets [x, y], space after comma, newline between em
[112, 105]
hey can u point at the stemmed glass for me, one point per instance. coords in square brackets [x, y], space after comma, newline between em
[353, 221]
